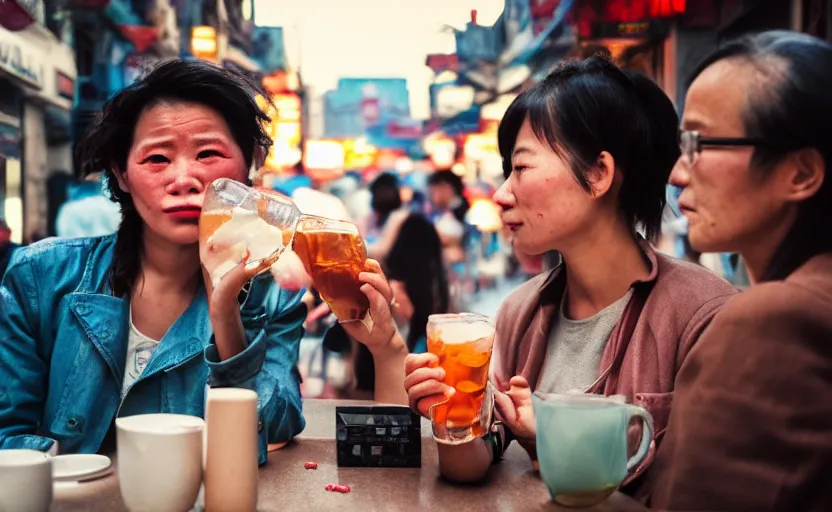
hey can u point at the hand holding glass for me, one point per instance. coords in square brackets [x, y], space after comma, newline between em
[238, 222]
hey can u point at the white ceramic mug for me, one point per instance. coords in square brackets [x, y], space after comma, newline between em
[159, 461]
[25, 481]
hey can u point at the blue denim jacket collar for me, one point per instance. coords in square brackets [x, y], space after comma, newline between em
[106, 322]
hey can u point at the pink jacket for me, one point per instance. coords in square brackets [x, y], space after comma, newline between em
[667, 313]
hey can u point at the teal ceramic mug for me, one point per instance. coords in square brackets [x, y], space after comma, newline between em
[582, 445]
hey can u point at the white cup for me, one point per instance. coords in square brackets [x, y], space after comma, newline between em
[25, 481]
[159, 461]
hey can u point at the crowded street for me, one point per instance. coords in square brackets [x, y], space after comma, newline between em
[387, 255]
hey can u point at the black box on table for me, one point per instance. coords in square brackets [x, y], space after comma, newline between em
[378, 436]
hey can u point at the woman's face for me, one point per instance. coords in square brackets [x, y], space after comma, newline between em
[178, 150]
[544, 206]
[729, 206]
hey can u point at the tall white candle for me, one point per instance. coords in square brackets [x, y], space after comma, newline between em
[231, 468]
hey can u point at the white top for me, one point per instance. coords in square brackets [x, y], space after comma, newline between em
[139, 350]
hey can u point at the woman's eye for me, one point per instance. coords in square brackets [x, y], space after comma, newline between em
[156, 159]
[207, 153]
[519, 168]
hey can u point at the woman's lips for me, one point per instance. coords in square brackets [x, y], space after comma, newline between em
[188, 214]
[513, 226]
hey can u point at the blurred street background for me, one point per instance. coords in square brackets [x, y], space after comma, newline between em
[380, 110]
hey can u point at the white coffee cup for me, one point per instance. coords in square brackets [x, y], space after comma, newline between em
[25, 481]
[159, 461]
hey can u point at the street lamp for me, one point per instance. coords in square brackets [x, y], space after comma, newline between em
[204, 43]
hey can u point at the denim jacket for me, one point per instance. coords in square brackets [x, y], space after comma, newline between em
[63, 346]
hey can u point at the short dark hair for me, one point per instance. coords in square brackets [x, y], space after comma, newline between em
[447, 176]
[789, 103]
[384, 181]
[108, 141]
[588, 106]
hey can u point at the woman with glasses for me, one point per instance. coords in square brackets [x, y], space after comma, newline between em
[615, 317]
[751, 427]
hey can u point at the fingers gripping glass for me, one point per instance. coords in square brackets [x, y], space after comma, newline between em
[691, 144]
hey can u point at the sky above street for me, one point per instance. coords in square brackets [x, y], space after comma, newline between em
[329, 39]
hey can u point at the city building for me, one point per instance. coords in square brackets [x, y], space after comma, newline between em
[37, 86]
[358, 104]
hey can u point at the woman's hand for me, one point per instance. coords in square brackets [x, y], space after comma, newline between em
[383, 340]
[423, 383]
[227, 291]
[224, 308]
[515, 408]
[384, 335]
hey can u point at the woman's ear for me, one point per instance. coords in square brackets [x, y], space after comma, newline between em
[121, 178]
[805, 176]
[602, 175]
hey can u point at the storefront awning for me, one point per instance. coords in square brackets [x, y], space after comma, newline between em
[15, 15]
[43, 65]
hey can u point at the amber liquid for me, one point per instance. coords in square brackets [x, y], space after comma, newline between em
[466, 370]
[333, 260]
[210, 222]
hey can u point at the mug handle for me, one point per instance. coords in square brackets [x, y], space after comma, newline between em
[646, 435]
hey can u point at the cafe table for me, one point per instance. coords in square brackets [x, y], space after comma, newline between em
[285, 485]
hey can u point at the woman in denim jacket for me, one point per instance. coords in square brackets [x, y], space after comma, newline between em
[96, 328]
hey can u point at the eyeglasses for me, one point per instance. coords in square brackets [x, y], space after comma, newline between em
[691, 144]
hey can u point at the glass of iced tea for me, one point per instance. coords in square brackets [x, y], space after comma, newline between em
[463, 342]
[238, 221]
[333, 254]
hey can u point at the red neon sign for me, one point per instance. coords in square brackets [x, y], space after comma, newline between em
[666, 8]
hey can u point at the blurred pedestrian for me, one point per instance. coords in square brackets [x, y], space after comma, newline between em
[88, 212]
[7, 247]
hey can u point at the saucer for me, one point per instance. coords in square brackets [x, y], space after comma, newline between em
[78, 467]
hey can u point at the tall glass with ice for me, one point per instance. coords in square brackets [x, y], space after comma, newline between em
[238, 222]
[463, 342]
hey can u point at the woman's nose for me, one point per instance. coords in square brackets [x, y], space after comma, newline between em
[680, 175]
[503, 196]
[185, 183]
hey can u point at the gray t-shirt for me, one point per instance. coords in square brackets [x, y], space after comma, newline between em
[573, 354]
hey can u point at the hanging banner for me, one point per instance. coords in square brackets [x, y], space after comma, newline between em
[519, 54]
[517, 20]
[476, 43]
